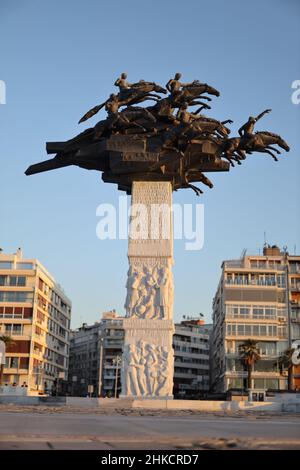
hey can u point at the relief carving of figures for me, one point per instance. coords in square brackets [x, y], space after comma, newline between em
[147, 370]
[133, 373]
[149, 292]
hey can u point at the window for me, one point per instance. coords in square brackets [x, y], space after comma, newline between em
[14, 362]
[241, 330]
[12, 280]
[17, 329]
[281, 280]
[245, 311]
[255, 330]
[13, 329]
[282, 332]
[258, 312]
[11, 296]
[6, 264]
[24, 266]
[272, 330]
[263, 330]
[248, 330]
[270, 313]
[21, 281]
[267, 348]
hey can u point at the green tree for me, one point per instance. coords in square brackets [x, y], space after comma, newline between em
[249, 354]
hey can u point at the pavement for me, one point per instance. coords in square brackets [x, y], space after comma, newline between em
[68, 428]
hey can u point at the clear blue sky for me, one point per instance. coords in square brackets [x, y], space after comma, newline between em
[60, 57]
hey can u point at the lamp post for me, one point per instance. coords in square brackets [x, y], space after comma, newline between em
[117, 361]
[2, 359]
[101, 340]
[74, 380]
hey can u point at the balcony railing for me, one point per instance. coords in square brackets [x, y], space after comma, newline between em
[295, 287]
[241, 264]
[256, 282]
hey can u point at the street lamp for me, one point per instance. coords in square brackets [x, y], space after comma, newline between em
[117, 361]
[2, 359]
[101, 340]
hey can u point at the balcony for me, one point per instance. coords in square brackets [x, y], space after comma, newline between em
[256, 282]
[295, 288]
[255, 374]
[38, 353]
[240, 264]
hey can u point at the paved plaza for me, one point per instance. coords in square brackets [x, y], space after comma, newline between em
[71, 428]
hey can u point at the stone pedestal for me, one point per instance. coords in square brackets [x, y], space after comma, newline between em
[148, 357]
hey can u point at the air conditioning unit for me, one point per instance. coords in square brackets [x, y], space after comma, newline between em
[282, 319]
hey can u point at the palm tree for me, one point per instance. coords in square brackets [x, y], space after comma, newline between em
[285, 362]
[6, 340]
[249, 354]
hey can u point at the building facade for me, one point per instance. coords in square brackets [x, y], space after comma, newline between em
[36, 314]
[191, 359]
[258, 297]
[94, 352]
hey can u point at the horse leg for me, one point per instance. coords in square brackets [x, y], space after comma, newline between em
[206, 98]
[153, 95]
[274, 149]
[228, 158]
[197, 190]
[237, 159]
[204, 106]
[242, 154]
[265, 150]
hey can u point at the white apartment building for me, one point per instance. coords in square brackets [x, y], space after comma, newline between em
[191, 358]
[256, 299]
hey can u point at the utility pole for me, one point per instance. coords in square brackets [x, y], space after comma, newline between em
[2, 359]
[288, 300]
[101, 340]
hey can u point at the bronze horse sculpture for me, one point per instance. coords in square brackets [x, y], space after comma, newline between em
[137, 93]
[261, 141]
[161, 142]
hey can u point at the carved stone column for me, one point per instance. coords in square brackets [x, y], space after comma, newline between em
[148, 357]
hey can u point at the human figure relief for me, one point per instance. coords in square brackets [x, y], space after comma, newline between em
[133, 284]
[150, 368]
[164, 291]
[130, 370]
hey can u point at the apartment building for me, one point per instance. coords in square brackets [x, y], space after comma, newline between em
[35, 312]
[94, 352]
[258, 297]
[191, 358]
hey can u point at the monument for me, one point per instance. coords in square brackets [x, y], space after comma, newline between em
[149, 152]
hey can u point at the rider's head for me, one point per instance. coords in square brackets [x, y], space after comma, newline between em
[177, 76]
[124, 75]
[252, 119]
